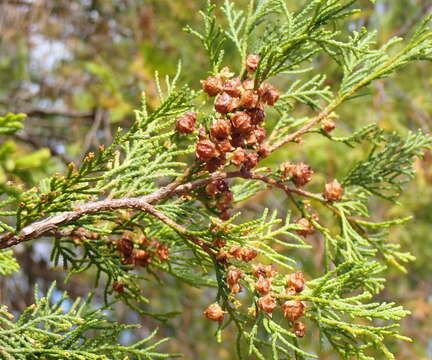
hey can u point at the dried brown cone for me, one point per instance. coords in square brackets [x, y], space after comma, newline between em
[333, 191]
[216, 187]
[248, 254]
[238, 156]
[267, 303]
[263, 270]
[296, 281]
[251, 161]
[215, 163]
[260, 134]
[225, 103]
[212, 86]
[214, 312]
[224, 201]
[249, 100]
[125, 246]
[293, 309]
[307, 227]
[224, 146]
[263, 285]
[252, 61]
[118, 287]
[206, 150]
[141, 257]
[186, 123]
[241, 122]
[269, 94]
[257, 115]
[248, 84]
[220, 129]
[233, 276]
[302, 174]
[238, 140]
[162, 252]
[299, 329]
[233, 87]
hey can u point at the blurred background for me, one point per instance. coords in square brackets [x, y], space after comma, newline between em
[78, 67]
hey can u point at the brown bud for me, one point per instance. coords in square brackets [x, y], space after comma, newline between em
[328, 125]
[263, 285]
[293, 309]
[267, 303]
[224, 146]
[222, 256]
[225, 103]
[307, 227]
[269, 94]
[219, 243]
[252, 61]
[248, 100]
[258, 270]
[257, 115]
[118, 287]
[214, 312]
[186, 123]
[233, 87]
[299, 329]
[212, 85]
[297, 281]
[162, 252]
[238, 156]
[302, 174]
[235, 251]
[251, 161]
[248, 254]
[233, 276]
[220, 129]
[333, 191]
[125, 246]
[206, 150]
[289, 292]
[241, 122]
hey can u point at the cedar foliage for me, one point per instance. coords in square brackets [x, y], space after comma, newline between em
[141, 205]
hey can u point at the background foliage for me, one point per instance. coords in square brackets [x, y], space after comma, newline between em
[77, 68]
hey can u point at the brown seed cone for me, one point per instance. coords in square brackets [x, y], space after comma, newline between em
[267, 303]
[238, 156]
[214, 312]
[186, 123]
[221, 129]
[248, 100]
[260, 134]
[141, 257]
[328, 125]
[293, 309]
[251, 161]
[206, 150]
[302, 174]
[233, 276]
[248, 254]
[118, 287]
[215, 163]
[333, 191]
[224, 146]
[269, 94]
[257, 115]
[235, 251]
[287, 169]
[162, 252]
[225, 215]
[224, 201]
[263, 285]
[222, 256]
[299, 329]
[307, 227]
[241, 122]
[263, 151]
[216, 187]
[233, 87]
[125, 246]
[212, 85]
[252, 61]
[225, 103]
[296, 281]
[238, 140]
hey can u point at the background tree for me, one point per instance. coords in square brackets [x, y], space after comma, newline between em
[95, 94]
